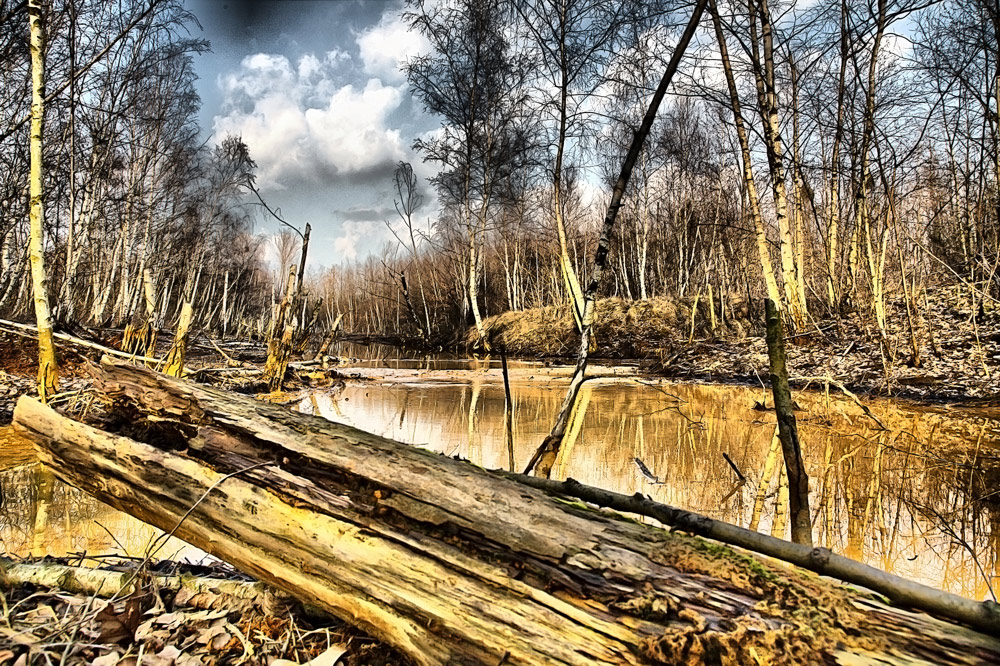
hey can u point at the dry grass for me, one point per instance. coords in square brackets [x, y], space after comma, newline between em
[622, 328]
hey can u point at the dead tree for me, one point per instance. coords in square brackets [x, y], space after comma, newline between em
[788, 434]
[174, 363]
[280, 336]
[545, 456]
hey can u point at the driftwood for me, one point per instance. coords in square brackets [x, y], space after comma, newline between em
[328, 339]
[230, 361]
[451, 563]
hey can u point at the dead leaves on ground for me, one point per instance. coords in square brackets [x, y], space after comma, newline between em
[159, 628]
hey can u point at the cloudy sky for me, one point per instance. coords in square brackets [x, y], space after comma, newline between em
[314, 89]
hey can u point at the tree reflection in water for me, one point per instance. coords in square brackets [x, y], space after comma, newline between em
[919, 499]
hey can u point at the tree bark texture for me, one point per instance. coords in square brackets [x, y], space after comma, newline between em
[279, 346]
[48, 368]
[174, 363]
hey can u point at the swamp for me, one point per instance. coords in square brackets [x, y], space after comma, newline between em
[499, 332]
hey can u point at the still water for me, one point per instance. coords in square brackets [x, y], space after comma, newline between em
[920, 498]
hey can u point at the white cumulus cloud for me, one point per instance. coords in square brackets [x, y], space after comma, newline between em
[356, 235]
[387, 45]
[304, 124]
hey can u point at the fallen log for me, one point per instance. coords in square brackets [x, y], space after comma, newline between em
[371, 340]
[984, 615]
[109, 583]
[451, 563]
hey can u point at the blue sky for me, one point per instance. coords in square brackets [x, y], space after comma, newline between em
[314, 88]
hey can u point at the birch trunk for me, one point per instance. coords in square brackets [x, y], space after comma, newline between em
[174, 364]
[833, 227]
[763, 252]
[798, 480]
[48, 368]
[862, 203]
[768, 109]
[572, 283]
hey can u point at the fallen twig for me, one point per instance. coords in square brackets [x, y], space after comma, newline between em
[107, 583]
[736, 469]
[230, 361]
[830, 380]
[652, 478]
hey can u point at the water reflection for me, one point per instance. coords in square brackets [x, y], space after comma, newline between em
[40, 515]
[918, 499]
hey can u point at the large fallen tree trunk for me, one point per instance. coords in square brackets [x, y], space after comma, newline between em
[451, 563]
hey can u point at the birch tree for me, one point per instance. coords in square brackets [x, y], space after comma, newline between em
[763, 251]
[570, 41]
[761, 34]
[48, 368]
[476, 84]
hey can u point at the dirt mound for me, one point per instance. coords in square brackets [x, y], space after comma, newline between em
[622, 328]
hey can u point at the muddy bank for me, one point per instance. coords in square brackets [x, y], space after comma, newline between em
[958, 348]
[19, 363]
[958, 345]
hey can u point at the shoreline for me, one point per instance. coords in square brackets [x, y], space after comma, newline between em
[616, 371]
[15, 381]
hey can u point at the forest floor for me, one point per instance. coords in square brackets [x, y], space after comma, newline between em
[960, 363]
[163, 627]
[959, 354]
[19, 364]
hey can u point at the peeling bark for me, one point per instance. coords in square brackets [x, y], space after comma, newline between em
[48, 367]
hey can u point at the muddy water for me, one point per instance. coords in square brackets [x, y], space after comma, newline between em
[40, 515]
[920, 498]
